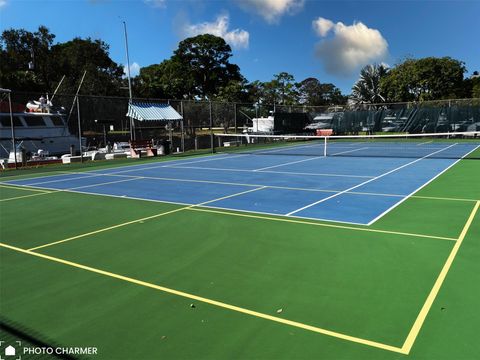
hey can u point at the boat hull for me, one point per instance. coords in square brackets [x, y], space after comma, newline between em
[56, 145]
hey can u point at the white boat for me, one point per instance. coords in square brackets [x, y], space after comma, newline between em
[36, 131]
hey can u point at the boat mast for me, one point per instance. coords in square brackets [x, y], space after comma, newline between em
[78, 117]
[132, 130]
[58, 86]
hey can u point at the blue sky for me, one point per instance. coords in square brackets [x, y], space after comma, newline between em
[329, 40]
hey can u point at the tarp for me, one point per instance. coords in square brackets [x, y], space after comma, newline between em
[152, 112]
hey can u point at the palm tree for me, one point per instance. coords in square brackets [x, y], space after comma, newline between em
[367, 89]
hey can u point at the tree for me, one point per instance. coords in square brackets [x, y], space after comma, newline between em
[281, 90]
[25, 61]
[475, 88]
[204, 59]
[234, 91]
[471, 86]
[367, 89]
[312, 92]
[425, 79]
[104, 76]
[286, 88]
[167, 80]
[30, 62]
[199, 68]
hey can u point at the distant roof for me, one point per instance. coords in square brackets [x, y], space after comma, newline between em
[152, 112]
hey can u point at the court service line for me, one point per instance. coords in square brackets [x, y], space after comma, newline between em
[139, 220]
[407, 346]
[368, 181]
[319, 144]
[303, 222]
[270, 187]
[425, 143]
[226, 183]
[304, 160]
[87, 176]
[274, 172]
[420, 188]
[220, 157]
[106, 183]
[210, 301]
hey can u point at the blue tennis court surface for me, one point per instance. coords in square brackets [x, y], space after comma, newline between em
[346, 189]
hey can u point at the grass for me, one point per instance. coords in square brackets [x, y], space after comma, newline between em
[103, 288]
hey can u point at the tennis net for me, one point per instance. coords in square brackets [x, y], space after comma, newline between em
[438, 145]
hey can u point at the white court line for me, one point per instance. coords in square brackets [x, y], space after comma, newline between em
[289, 163]
[273, 172]
[368, 181]
[420, 188]
[204, 160]
[106, 183]
[314, 158]
[426, 142]
[242, 210]
[88, 176]
[134, 177]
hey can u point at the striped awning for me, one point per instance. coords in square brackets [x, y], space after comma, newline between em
[152, 112]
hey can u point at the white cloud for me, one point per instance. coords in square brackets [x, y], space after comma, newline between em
[350, 47]
[322, 26]
[156, 3]
[236, 38]
[134, 69]
[3, 3]
[272, 10]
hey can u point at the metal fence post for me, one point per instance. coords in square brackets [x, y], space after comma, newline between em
[212, 145]
[182, 128]
[79, 129]
[235, 116]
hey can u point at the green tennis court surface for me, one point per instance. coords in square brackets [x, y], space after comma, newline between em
[149, 280]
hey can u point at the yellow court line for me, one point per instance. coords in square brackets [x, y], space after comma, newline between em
[108, 228]
[139, 220]
[414, 331]
[22, 187]
[321, 224]
[26, 196]
[212, 302]
[443, 198]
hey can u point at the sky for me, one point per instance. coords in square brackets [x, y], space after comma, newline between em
[328, 40]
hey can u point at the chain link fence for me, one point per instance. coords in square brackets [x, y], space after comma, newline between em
[102, 120]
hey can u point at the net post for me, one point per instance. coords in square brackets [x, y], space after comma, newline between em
[325, 146]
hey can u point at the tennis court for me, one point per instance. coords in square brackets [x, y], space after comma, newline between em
[274, 252]
[349, 189]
